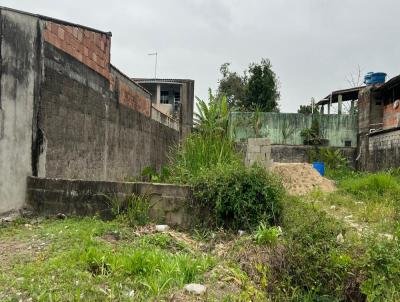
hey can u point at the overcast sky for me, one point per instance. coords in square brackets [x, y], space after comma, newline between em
[313, 44]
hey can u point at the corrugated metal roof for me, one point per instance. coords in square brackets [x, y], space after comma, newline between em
[347, 95]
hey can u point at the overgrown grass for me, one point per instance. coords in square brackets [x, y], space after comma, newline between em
[76, 264]
[200, 152]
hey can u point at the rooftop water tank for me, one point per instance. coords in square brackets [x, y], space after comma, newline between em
[367, 78]
[378, 78]
[375, 78]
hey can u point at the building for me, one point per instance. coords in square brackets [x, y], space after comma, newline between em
[67, 112]
[379, 126]
[172, 97]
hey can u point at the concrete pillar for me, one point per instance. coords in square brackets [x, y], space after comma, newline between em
[322, 109]
[352, 107]
[158, 94]
[340, 103]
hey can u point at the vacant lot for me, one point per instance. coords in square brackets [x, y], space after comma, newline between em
[339, 246]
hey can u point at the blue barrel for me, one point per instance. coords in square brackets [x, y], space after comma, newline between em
[320, 167]
[378, 78]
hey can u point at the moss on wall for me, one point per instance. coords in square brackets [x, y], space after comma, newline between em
[285, 128]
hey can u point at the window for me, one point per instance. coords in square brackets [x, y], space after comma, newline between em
[164, 97]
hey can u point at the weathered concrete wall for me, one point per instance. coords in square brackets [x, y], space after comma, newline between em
[300, 154]
[383, 150]
[19, 59]
[285, 128]
[88, 133]
[170, 204]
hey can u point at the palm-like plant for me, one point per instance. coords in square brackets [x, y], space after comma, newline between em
[212, 118]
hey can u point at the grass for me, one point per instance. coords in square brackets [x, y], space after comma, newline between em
[71, 262]
[89, 259]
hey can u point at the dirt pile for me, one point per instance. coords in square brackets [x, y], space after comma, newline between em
[301, 178]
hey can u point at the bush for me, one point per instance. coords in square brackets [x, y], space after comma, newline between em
[239, 197]
[200, 153]
[333, 159]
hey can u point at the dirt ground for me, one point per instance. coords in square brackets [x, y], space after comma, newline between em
[302, 178]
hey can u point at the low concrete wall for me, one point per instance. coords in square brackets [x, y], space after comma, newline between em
[300, 154]
[170, 204]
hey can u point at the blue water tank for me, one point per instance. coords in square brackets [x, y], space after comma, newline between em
[378, 78]
[367, 78]
[320, 167]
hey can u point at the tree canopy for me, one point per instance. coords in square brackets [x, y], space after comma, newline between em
[256, 88]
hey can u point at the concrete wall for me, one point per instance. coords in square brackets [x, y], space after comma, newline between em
[285, 128]
[170, 204]
[383, 150]
[88, 133]
[300, 154]
[19, 52]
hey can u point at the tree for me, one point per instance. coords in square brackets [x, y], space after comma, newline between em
[262, 88]
[232, 85]
[308, 109]
[258, 90]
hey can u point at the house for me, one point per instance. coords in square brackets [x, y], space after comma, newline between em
[172, 97]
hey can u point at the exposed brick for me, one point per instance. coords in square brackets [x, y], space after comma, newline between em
[61, 33]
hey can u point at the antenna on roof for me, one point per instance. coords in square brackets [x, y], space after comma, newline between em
[155, 66]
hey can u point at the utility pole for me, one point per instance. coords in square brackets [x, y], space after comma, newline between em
[155, 66]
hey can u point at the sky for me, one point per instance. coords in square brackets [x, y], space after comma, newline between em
[313, 45]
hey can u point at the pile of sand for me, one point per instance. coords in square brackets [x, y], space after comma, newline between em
[301, 178]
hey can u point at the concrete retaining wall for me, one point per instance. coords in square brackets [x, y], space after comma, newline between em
[170, 204]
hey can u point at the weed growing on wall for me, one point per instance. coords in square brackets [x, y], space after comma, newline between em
[132, 209]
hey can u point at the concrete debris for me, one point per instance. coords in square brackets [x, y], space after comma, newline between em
[196, 289]
[162, 228]
[340, 238]
[241, 232]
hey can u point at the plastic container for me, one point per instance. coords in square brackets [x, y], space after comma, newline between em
[367, 78]
[320, 167]
[378, 78]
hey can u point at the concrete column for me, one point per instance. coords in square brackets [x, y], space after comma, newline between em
[322, 109]
[352, 107]
[340, 103]
[158, 94]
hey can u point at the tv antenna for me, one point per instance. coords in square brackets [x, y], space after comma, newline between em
[155, 65]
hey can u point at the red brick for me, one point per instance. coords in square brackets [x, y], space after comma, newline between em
[54, 28]
[61, 33]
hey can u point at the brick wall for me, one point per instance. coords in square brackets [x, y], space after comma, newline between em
[89, 47]
[129, 93]
[390, 116]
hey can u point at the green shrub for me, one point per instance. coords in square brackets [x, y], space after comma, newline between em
[200, 153]
[239, 197]
[333, 159]
[317, 268]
